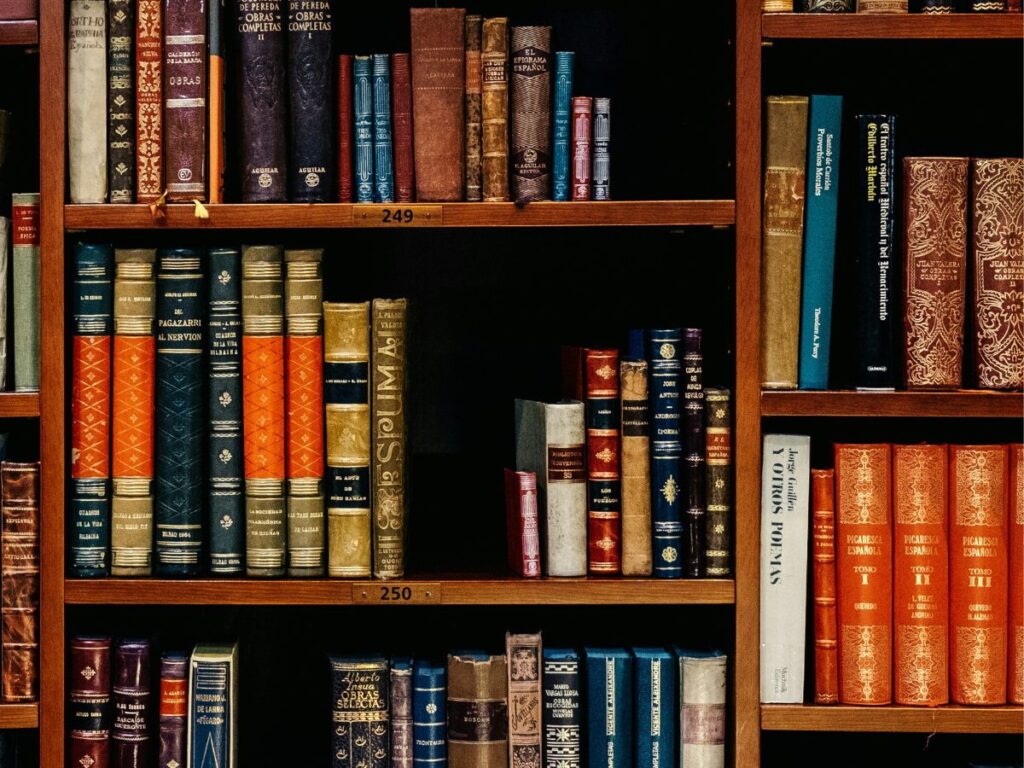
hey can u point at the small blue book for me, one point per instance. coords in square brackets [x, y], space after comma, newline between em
[656, 709]
[429, 714]
[609, 707]
[383, 162]
[362, 111]
[561, 176]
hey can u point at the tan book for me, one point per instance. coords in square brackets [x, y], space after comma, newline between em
[777, 6]
[882, 6]
[636, 469]
[494, 76]
[524, 707]
[477, 706]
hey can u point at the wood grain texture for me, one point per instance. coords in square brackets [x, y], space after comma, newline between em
[24, 32]
[965, 26]
[962, 404]
[19, 405]
[949, 719]
[19, 716]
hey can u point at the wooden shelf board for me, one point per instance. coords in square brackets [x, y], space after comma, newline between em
[19, 32]
[19, 716]
[948, 719]
[825, 26]
[964, 403]
[19, 405]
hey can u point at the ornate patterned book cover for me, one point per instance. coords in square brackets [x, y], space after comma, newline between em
[656, 707]
[383, 153]
[694, 441]
[347, 403]
[130, 733]
[989, 6]
[360, 728]
[999, 271]
[881, 6]
[718, 523]
[602, 158]
[121, 101]
[25, 265]
[827, 6]
[134, 403]
[346, 124]
[311, 69]
[401, 117]
[212, 707]
[185, 98]
[582, 121]
[935, 270]
[149, 100]
[530, 157]
[263, 395]
[19, 489]
[362, 107]
[604, 479]
[87, 101]
[89, 712]
[524, 700]
[401, 712]
[477, 711]
[429, 715]
[92, 299]
[920, 575]
[561, 175]
[304, 352]
[636, 467]
[494, 73]
[823, 554]
[438, 96]
[1015, 620]
[702, 694]
[563, 711]
[173, 712]
[215, 99]
[610, 701]
[522, 528]
[978, 576]
[937, 7]
[864, 567]
[665, 367]
[474, 109]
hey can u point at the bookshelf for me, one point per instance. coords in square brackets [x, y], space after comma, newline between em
[964, 404]
[957, 26]
[19, 33]
[19, 716]
[895, 719]
[14, 405]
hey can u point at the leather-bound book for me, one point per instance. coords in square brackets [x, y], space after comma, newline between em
[522, 528]
[347, 403]
[89, 712]
[133, 406]
[180, 412]
[827, 6]
[149, 100]
[389, 436]
[92, 302]
[636, 467]
[582, 122]
[702, 704]
[998, 271]
[530, 158]
[173, 711]
[561, 153]
[1015, 619]
[401, 712]
[694, 441]
[935, 270]
[212, 707]
[360, 732]
[401, 118]
[604, 479]
[311, 90]
[121, 101]
[429, 714]
[864, 566]
[494, 90]
[881, 6]
[263, 394]
[978, 577]
[610, 700]
[25, 268]
[602, 158]
[263, 81]
[215, 98]
[304, 353]
[938, 7]
[664, 352]
[185, 98]
[362, 107]
[783, 226]
[477, 711]
[823, 555]
[524, 699]
[438, 95]
[346, 125]
[129, 736]
[383, 154]
[87, 101]
[19, 489]
[656, 709]
[563, 715]
[718, 522]
[474, 109]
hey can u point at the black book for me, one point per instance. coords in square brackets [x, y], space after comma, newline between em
[693, 450]
[121, 101]
[562, 715]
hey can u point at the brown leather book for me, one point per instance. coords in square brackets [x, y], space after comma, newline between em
[494, 87]
[438, 93]
[477, 711]
[882, 6]
[636, 469]
[524, 706]
[19, 488]
[185, 98]
[1015, 684]
[401, 117]
[826, 647]
[474, 112]
[935, 270]
[88, 713]
[345, 127]
[530, 159]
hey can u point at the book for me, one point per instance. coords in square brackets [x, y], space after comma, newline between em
[864, 569]
[824, 134]
[311, 69]
[656, 708]
[1015, 616]
[362, 109]
[185, 98]
[827, 6]
[602, 135]
[19, 491]
[92, 308]
[582, 120]
[785, 495]
[777, 6]
[494, 73]
[610, 700]
[702, 700]
[383, 163]
[477, 711]
[400, 695]
[521, 524]
[25, 286]
[87, 101]
[429, 714]
[636, 467]
[523, 652]
[213, 706]
[561, 178]
[785, 159]
[530, 153]
[664, 352]
[823, 555]
[881, 6]
[998, 261]
[604, 480]
[989, 6]
[89, 701]
[149, 101]
[474, 108]
[173, 710]
[563, 716]
[121, 101]
[936, 7]
[346, 124]
[5, 248]
[347, 406]
[694, 441]
[129, 735]
[360, 732]
[304, 393]
[718, 523]
[215, 98]
[438, 95]
[401, 118]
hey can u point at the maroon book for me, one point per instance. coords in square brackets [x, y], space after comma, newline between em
[522, 524]
[401, 116]
[582, 117]
[185, 98]
[89, 704]
[132, 705]
[345, 127]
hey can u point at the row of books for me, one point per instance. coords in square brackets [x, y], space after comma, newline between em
[19, 579]
[914, 335]
[918, 573]
[19, 249]
[146, 118]
[932, 7]
[200, 425]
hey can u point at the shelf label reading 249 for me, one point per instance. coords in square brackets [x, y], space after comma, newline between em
[398, 215]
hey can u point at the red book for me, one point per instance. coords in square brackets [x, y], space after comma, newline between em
[401, 116]
[978, 573]
[826, 648]
[582, 118]
[920, 575]
[1015, 684]
[604, 481]
[864, 568]
[521, 523]
[345, 127]
[89, 702]
[149, 101]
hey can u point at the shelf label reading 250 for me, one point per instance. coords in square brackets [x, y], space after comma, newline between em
[397, 215]
[396, 592]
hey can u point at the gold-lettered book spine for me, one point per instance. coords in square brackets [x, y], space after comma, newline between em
[777, 6]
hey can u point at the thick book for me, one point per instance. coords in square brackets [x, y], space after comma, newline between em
[213, 707]
[665, 367]
[582, 124]
[347, 406]
[978, 576]
[1015, 617]
[601, 137]
[935, 270]
[494, 73]
[438, 96]
[656, 709]
[121, 101]
[429, 715]
[609, 707]
[823, 557]
[785, 158]
[998, 263]
[87, 101]
[362, 111]
[530, 150]
[19, 492]
[718, 524]
[215, 98]
[523, 652]
[563, 715]
[185, 98]
[604, 481]
[25, 286]
[92, 309]
[777, 6]
[401, 119]
[702, 700]
[346, 125]
[561, 174]
[311, 70]
[149, 100]
[785, 496]
[383, 152]
[636, 467]
[89, 702]
[821, 198]
[401, 712]
[477, 711]
[522, 527]
[693, 439]
[863, 496]
[360, 729]
[920, 568]
[474, 109]
[129, 736]
[173, 710]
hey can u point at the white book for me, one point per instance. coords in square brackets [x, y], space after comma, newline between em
[702, 706]
[87, 101]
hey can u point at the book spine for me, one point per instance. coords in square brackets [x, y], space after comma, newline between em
[602, 160]
[937, 7]
[87, 101]
[90, 409]
[1013, 6]
[263, 77]
[304, 352]
[345, 126]
[347, 405]
[19, 488]
[25, 264]
[609, 709]
[718, 523]
[582, 119]
[978, 578]
[881, 6]
[531, 113]
[215, 98]
[524, 700]
[311, 89]
[823, 554]
[864, 568]
[401, 713]
[655, 708]
[777, 6]
[988, 6]
[173, 710]
[477, 712]
[474, 109]
[1015, 618]
[521, 524]
[401, 115]
[89, 702]
[210, 722]
[702, 680]
[429, 717]
[560, 158]
[5, 249]
[149, 101]
[263, 366]
[389, 437]
[121, 101]
[494, 99]
[604, 481]
[130, 733]
[694, 440]
[383, 162]
[998, 271]
[876, 259]
[185, 98]
[363, 110]
[827, 6]
[822, 203]
[225, 497]
[563, 710]
[636, 469]
[359, 695]
[666, 451]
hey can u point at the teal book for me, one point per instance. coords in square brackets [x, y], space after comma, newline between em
[609, 674]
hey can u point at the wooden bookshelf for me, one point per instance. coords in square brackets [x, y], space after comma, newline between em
[19, 716]
[828, 26]
[19, 405]
[949, 719]
[962, 404]
[19, 33]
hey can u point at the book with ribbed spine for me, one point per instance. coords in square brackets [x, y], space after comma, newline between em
[215, 98]
[604, 480]
[87, 101]
[989, 6]
[185, 98]
[345, 128]
[522, 527]
[530, 132]
[582, 127]
[494, 95]
[121, 101]
[477, 710]
[19, 492]
[702, 700]
[601, 137]
[212, 707]
[694, 441]
[474, 109]
[362, 110]
[610, 701]
[401, 118]
[1015, 614]
[89, 713]
[823, 556]
[25, 286]
[718, 522]
[311, 68]
[401, 712]
[173, 712]
[563, 711]
[664, 352]
[429, 715]
[523, 652]
[636, 466]
[383, 151]
[129, 735]
[561, 175]
[656, 709]
[149, 100]
[360, 712]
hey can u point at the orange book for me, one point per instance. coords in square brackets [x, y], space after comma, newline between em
[920, 575]
[864, 568]
[978, 573]
[826, 648]
[1015, 684]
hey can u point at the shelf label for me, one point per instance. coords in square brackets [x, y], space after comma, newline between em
[389, 215]
[396, 592]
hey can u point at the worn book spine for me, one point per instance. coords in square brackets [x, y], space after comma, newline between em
[362, 106]
[173, 711]
[702, 705]
[827, 6]
[477, 711]
[494, 99]
[263, 395]
[636, 469]
[121, 101]
[561, 177]
[215, 98]
[937, 7]
[782, 236]
[610, 701]
[263, 80]
[212, 707]
[5, 249]
[978, 577]
[401, 118]
[664, 351]
[998, 186]
[604, 481]
[602, 158]
[522, 529]
[89, 702]
[863, 497]
[881, 6]
[185, 98]
[718, 523]
[429, 715]
[346, 125]
[360, 729]
[656, 709]
[474, 109]
[87, 101]
[582, 120]
[347, 406]
[311, 90]
[530, 157]
[920, 575]
[563, 715]
[694, 440]
[133, 428]
[25, 265]
[524, 699]
[383, 152]
[90, 409]
[149, 100]
[988, 6]
[438, 96]
[823, 555]
[401, 712]
[1015, 618]
[19, 490]
[131, 718]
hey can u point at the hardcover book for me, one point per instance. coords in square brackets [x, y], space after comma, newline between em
[936, 7]
[383, 165]
[563, 711]
[494, 98]
[401, 117]
[429, 715]
[401, 713]
[777, 6]
[185, 98]
[604, 481]
[823, 554]
[656, 708]
[1015, 618]
[609, 707]
[881, 6]
[561, 176]
[130, 733]
[149, 100]
[718, 482]
[173, 710]
[524, 700]
[474, 109]
[636, 468]
[25, 263]
[311, 70]
[89, 702]
[121, 101]
[19, 491]
[346, 125]
[694, 441]
[664, 348]
[87, 101]
[582, 121]
[530, 157]
[360, 729]
[213, 707]
[827, 6]
[477, 711]
[602, 158]
[215, 99]
[521, 524]
[702, 699]
[362, 107]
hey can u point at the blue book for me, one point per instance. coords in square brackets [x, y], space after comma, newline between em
[383, 162]
[429, 715]
[561, 175]
[822, 203]
[609, 707]
[665, 371]
[656, 710]
[562, 715]
[362, 111]
[212, 703]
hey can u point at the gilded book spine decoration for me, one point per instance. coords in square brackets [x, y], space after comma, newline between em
[582, 120]
[563, 710]
[311, 69]
[383, 163]
[131, 717]
[87, 101]
[360, 732]
[362, 106]
[89, 702]
[604, 482]
[881, 6]
[561, 174]
[718, 524]
[121, 101]
[938, 7]
[530, 157]
[823, 554]
[524, 700]
[345, 128]
[212, 705]
[693, 449]
[521, 523]
[827, 6]
[666, 451]
[19, 493]
[401, 713]
[149, 101]
[494, 89]
[601, 137]
[173, 710]
[636, 468]
[185, 98]
[474, 109]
